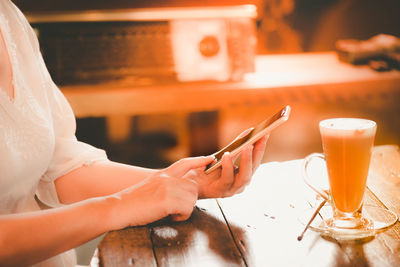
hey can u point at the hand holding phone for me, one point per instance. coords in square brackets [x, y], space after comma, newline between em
[250, 136]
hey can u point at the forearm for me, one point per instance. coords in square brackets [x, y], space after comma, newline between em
[27, 238]
[98, 179]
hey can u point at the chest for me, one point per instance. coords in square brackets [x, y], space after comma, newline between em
[26, 145]
[5, 69]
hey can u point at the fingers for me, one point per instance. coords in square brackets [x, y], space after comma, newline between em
[245, 174]
[182, 205]
[250, 160]
[227, 174]
[258, 151]
[232, 182]
[181, 167]
[155, 198]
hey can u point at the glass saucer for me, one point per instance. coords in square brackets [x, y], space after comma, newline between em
[381, 219]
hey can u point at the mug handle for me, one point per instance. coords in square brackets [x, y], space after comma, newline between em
[306, 162]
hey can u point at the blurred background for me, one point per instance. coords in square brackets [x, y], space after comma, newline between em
[154, 81]
[299, 33]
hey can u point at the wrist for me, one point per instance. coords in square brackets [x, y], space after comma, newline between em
[104, 208]
[110, 216]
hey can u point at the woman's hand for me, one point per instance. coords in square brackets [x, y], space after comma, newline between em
[174, 191]
[228, 180]
[167, 192]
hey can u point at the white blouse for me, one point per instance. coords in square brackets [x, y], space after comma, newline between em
[37, 126]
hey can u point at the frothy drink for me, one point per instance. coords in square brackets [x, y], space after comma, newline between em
[347, 145]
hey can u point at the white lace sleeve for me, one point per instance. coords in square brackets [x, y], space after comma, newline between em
[69, 153]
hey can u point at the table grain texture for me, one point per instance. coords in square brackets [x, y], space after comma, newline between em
[260, 226]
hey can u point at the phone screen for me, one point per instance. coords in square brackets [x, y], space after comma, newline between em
[251, 137]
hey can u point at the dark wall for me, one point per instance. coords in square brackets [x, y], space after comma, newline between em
[314, 25]
[40, 5]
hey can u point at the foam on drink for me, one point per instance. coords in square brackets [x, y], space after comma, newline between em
[347, 126]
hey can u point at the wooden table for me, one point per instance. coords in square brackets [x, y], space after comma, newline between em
[260, 227]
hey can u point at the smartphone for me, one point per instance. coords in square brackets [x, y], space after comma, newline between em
[253, 135]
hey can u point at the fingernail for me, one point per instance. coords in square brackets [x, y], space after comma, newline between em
[226, 154]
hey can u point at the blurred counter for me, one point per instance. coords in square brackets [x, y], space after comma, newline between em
[278, 78]
[316, 85]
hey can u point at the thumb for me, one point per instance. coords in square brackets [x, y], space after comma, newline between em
[181, 167]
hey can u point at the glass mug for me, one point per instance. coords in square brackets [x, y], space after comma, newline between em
[347, 145]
